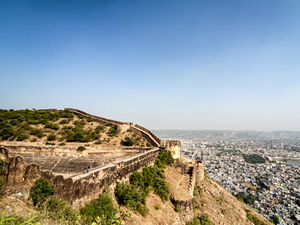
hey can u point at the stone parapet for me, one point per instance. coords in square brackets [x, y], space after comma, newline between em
[77, 190]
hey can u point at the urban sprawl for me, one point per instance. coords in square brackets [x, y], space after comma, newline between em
[272, 178]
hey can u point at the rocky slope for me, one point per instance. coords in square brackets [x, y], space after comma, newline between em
[221, 206]
[211, 199]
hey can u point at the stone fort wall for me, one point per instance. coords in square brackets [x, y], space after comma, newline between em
[186, 206]
[50, 150]
[80, 189]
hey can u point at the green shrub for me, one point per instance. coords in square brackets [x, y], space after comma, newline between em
[12, 220]
[143, 210]
[113, 131]
[161, 189]
[33, 121]
[151, 176]
[89, 119]
[60, 211]
[33, 140]
[7, 132]
[49, 143]
[14, 122]
[132, 197]
[164, 159]
[40, 134]
[51, 137]
[127, 142]
[99, 128]
[275, 219]
[81, 148]
[177, 209]
[62, 144]
[157, 207]
[204, 220]
[41, 191]
[98, 142]
[64, 121]
[102, 208]
[22, 137]
[78, 136]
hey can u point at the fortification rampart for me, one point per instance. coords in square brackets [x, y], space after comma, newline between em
[79, 189]
[148, 137]
[98, 118]
[186, 206]
[174, 146]
[50, 150]
[150, 133]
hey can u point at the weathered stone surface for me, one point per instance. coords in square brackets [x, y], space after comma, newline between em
[32, 173]
[16, 171]
[4, 154]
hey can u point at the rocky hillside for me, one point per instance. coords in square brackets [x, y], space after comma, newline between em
[222, 207]
[212, 204]
[210, 199]
[61, 128]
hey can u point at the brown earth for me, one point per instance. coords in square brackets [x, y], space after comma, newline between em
[165, 215]
[178, 183]
[221, 206]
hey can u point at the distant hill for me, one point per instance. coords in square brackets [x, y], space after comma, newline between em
[226, 134]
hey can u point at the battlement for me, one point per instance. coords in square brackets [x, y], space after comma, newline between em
[98, 118]
[174, 146]
[149, 132]
[79, 189]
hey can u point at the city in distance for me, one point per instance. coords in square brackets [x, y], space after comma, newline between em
[260, 168]
[189, 134]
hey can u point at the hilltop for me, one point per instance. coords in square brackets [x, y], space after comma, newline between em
[61, 127]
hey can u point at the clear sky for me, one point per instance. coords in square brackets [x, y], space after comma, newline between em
[164, 64]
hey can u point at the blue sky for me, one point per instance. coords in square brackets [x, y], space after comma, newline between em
[170, 64]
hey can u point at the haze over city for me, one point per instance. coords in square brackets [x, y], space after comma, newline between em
[191, 65]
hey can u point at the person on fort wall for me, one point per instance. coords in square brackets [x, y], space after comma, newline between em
[86, 169]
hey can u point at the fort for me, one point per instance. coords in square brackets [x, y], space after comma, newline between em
[63, 166]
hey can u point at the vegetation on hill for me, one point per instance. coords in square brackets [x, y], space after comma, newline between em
[100, 211]
[253, 158]
[248, 199]
[41, 191]
[253, 218]
[61, 126]
[202, 220]
[133, 195]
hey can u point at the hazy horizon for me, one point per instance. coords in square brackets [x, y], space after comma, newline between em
[187, 65]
